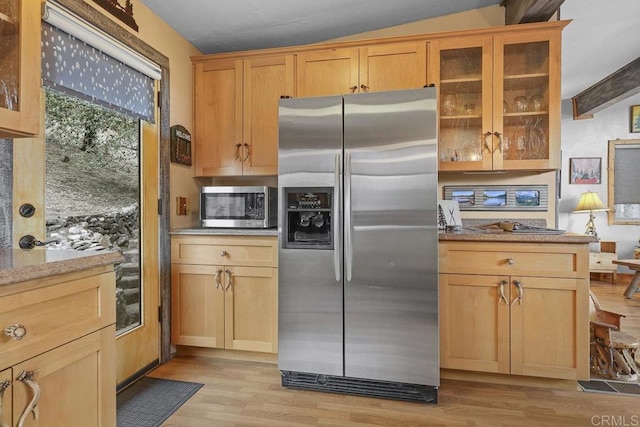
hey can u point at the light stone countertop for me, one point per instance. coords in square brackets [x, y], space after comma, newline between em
[480, 235]
[21, 265]
[205, 231]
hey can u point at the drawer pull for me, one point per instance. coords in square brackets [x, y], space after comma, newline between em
[223, 253]
[17, 331]
[511, 261]
[27, 377]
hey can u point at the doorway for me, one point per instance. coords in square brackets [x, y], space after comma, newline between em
[101, 192]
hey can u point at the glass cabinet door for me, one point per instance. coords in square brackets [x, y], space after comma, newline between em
[19, 68]
[463, 74]
[526, 90]
[9, 54]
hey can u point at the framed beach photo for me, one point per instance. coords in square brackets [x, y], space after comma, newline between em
[635, 118]
[585, 170]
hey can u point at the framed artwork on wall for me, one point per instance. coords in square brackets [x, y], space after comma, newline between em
[635, 118]
[585, 170]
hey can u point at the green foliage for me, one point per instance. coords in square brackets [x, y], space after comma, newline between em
[73, 123]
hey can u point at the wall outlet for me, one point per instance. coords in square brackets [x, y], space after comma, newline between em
[182, 206]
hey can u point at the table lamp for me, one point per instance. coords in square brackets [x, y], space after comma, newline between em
[590, 202]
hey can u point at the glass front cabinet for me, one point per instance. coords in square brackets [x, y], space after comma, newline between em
[499, 99]
[19, 68]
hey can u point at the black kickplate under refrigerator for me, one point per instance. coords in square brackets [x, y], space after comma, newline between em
[360, 386]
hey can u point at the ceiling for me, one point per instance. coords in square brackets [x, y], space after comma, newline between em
[600, 40]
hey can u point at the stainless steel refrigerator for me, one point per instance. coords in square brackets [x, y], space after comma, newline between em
[358, 264]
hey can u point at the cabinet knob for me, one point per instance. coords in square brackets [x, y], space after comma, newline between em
[511, 261]
[223, 253]
[17, 331]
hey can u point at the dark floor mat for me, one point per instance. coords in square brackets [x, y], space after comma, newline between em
[612, 387]
[150, 401]
[627, 388]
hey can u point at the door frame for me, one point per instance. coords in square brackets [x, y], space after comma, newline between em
[104, 23]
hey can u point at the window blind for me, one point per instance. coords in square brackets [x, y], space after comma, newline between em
[627, 190]
[75, 67]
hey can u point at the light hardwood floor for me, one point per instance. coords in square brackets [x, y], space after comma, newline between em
[237, 393]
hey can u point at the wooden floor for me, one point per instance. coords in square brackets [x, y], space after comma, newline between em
[239, 393]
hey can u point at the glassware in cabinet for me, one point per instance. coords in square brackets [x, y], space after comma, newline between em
[525, 84]
[461, 112]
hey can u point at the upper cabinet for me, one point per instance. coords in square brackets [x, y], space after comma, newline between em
[499, 101]
[372, 68]
[19, 68]
[236, 114]
[498, 88]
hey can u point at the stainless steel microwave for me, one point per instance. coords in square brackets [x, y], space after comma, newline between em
[238, 207]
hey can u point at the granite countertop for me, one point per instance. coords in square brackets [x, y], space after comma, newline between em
[19, 265]
[206, 231]
[475, 234]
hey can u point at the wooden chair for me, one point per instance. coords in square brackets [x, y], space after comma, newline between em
[612, 351]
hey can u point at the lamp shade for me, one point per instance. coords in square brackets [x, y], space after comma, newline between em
[589, 201]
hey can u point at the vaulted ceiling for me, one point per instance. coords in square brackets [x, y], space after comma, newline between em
[601, 39]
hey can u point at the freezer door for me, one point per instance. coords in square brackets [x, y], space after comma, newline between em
[391, 287]
[310, 260]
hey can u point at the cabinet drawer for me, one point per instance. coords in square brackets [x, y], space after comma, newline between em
[237, 250]
[602, 261]
[56, 314]
[542, 260]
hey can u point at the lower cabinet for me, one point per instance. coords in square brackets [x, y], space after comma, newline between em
[65, 386]
[57, 352]
[222, 306]
[530, 325]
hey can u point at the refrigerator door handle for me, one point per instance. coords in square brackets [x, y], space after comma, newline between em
[347, 215]
[336, 220]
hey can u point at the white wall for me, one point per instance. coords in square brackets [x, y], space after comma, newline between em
[589, 138]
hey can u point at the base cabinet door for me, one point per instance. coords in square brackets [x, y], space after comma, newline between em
[251, 309]
[547, 337]
[474, 323]
[227, 307]
[197, 305]
[67, 386]
[514, 325]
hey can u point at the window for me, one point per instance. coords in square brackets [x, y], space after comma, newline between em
[624, 191]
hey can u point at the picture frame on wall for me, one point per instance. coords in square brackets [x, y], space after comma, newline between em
[585, 170]
[635, 119]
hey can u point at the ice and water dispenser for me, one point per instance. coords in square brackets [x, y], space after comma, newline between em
[308, 220]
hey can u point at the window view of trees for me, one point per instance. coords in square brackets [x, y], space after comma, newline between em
[92, 189]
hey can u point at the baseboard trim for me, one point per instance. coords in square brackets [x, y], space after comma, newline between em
[506, 379]
[217, 353]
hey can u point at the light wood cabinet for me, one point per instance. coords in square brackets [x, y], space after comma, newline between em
[499, 100]
[232, 305]
[236, 114]
[521, 310]
[64, 364]
[19, 68]
[6, 395]
[372, 68]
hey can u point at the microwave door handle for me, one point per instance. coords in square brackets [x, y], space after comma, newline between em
[336, 220]
[347, 215]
